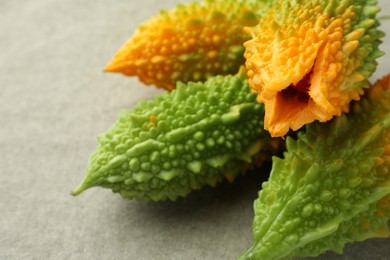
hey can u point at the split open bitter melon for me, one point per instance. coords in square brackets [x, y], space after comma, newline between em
[181, 140]
[189, 43]
[308, 59]
[332, 187]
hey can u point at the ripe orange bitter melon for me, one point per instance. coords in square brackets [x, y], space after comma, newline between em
[189, 43]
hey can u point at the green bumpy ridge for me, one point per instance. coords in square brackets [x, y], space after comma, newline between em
[332, 187]
[180, 141]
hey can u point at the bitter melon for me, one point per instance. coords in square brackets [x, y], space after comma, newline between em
[308, 59]
[181, 140]
[332, 187]
[189, 43]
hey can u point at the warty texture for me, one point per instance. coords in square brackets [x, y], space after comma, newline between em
[198, 134]
[188, 43]
[308, 59]
[332, 187]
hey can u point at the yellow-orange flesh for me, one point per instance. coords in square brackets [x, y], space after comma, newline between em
[308, 59]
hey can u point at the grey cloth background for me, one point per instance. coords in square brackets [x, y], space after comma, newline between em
[54, 100]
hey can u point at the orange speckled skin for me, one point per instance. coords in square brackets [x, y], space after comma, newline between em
[308, 59]
[188, 43]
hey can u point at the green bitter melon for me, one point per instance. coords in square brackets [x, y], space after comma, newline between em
[181, 141]
[332, 187]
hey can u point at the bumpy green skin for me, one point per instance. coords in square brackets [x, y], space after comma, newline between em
[180, 141]
[326, 191]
